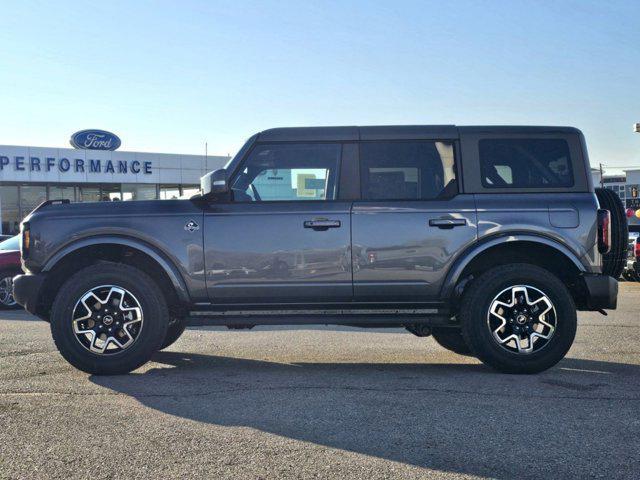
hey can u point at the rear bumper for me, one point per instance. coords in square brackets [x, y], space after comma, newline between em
[602, 292]
[26, 290]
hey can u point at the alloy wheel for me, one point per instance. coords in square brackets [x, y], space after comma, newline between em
[522, 319]
[107, 319]
[6, 292]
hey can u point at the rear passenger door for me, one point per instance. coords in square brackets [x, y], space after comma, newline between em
[411, 220]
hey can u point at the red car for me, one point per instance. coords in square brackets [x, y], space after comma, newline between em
[9, 267]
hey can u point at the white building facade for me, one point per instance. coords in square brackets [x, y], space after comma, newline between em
[31, 175]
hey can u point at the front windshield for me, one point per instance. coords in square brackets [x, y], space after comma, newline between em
[12, 243]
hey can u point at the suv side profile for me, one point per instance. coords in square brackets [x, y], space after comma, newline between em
[488, 238]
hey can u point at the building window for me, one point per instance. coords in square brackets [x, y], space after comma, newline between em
[30, 197]
[169, 192]
[111, 192]
[189, 191]
[89, 194]
[57, 192]
[10, 209]
[135, 191]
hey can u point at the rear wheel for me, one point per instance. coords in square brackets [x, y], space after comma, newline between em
[613, 263]
[109, 319]
[451, 339]
[518, 318]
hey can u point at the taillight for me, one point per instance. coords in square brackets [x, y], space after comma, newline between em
[604, 231]
[636, 249]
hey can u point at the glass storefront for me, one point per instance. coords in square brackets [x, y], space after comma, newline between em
[17, 200]
[10, 208]
[137, 191]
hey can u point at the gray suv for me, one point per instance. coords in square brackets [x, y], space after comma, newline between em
[487, 238]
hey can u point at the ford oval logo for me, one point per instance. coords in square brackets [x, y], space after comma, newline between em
[95, 140]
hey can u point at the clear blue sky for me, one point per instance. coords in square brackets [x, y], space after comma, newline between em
[166, 76]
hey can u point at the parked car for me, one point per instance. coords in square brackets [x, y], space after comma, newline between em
[632, 268]
[488, 238]
[9, 267]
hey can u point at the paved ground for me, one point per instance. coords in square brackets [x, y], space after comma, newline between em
[322, 403]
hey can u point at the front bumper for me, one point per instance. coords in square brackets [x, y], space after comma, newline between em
[601, 292]
[26, 290]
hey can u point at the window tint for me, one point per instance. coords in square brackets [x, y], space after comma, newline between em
[288, 172]
[407, 170]
[525, 163]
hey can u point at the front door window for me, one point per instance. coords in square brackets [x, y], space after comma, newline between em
[288, 172]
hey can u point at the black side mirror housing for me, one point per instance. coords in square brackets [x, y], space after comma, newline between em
[215, 183]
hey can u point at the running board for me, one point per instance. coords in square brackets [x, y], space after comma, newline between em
[426, 316]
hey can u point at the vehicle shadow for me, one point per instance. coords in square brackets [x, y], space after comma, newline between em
[579, 419]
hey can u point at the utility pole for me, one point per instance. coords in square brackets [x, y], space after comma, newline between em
[601, 177]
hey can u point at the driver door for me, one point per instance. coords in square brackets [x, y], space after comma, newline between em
[284, 237]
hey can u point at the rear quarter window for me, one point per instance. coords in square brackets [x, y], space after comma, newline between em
[525, 163]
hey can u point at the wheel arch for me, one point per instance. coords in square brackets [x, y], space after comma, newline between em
[116, 248]
[549, 253]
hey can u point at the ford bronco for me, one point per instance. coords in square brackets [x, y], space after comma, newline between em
[487, 238]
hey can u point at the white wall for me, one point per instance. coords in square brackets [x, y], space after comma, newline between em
[17, 166]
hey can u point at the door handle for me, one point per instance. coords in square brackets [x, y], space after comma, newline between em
[322, 224]
[447, 223]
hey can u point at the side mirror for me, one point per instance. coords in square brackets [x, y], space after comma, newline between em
[214, 183]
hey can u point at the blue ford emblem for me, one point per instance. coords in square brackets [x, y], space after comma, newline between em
[95, 140]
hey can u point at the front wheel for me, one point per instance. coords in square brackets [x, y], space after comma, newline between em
[174, 332]
[518, 318]
[109, 319]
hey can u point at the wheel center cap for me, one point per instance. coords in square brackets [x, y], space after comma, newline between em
[107, 320]
[521, 319]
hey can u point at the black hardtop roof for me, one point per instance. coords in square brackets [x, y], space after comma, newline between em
[398, 132]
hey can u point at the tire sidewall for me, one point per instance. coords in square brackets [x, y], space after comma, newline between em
[479, 336]
[174, 332]
[154, 327]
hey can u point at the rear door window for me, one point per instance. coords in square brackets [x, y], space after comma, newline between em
[525, 163]
[414, 170]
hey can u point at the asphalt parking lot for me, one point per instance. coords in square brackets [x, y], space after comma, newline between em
[322, 403]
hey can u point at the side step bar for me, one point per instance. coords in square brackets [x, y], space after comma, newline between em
[390, 317]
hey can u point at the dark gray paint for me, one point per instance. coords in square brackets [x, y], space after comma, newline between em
[397, 255]
[260, 253]
[154, 225]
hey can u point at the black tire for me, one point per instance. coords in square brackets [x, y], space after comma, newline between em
[613, 263]
[7, 302]
[474, 312]
[451, 339]
[174, 332]
[152, 332]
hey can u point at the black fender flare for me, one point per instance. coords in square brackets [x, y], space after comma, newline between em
[466, 257]
[158, 256]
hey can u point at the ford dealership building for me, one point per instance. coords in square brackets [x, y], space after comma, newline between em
[93, 171]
